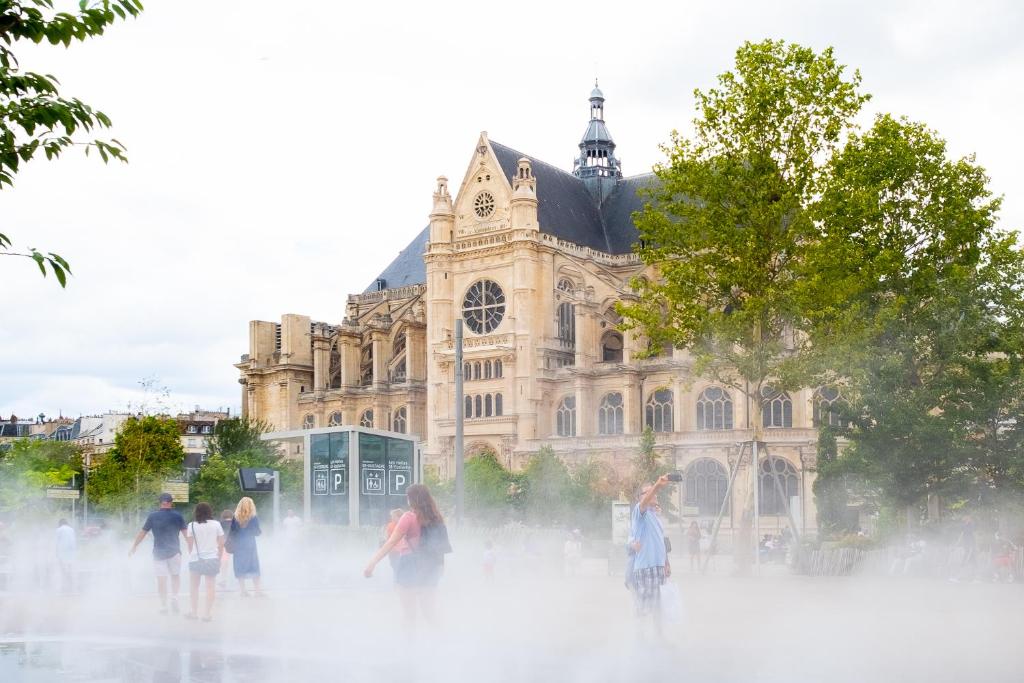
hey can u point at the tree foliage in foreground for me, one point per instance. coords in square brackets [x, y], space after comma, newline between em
[29, 466]
[236, 444]
[727, 223]
[147, 450]
[35, 119]
[793, 250]
[919, 312]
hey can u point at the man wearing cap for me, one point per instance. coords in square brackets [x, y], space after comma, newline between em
[165, 523]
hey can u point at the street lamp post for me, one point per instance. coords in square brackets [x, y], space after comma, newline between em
[459, 418]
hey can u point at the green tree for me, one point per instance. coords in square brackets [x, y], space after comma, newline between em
[545, 486]
[593, 487]
[147, 450]
[487, 488]
[29, 466]
[647, 466]
[916, 307]
[729, 219]
[726, 224]
[236, 444]
[35, 119]
[238, 434]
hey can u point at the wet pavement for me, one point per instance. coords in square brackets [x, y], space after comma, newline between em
[531, 628]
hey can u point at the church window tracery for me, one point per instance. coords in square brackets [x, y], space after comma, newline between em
[366, 419]
[658, 412]
[565, 417]
[483, 306]
[828, 408]
[398, 423]
[610, 414]
[776, 408]
[769, 501]
[714, 409]
[335, 419]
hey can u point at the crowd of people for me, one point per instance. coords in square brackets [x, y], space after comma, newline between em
[209, 543]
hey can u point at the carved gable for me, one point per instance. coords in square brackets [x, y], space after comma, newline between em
[482, 204]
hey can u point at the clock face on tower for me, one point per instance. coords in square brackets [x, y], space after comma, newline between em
[484, 306]
[483, 205]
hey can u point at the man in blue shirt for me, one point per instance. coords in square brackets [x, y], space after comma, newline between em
[649, 558]
[165, 523]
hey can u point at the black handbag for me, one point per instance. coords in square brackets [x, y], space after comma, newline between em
[209, 566]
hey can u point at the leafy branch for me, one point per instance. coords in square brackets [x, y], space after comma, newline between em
[34, 117]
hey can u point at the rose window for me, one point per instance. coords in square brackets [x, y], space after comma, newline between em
[483, 204]
[484, 306]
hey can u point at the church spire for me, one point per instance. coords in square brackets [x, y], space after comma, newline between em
[596, 164]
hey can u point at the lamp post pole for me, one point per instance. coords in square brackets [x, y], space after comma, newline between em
[459, 417]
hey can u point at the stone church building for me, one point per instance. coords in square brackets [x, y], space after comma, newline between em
[533, 258]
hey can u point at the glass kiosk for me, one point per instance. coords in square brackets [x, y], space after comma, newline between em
[352, 475]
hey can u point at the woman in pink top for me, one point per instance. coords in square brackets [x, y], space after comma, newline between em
[417, 570]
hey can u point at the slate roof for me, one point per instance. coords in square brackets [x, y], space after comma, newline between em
[565, 209]
[408, 267]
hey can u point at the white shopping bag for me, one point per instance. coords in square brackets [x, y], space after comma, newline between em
[671, 602]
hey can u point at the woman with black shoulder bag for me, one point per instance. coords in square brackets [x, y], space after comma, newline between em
[205, 545]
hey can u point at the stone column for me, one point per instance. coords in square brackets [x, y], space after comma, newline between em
[416, 352]
[632, 405]
[378, 338]
[349, 343]
[321, 360]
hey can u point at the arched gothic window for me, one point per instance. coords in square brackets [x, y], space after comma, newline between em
[565, 417]
[467, 371]
[714, 409]
[611, 347]
[398, 346]
[476, 370]
[478, 406]
[705, 482]
[398, 422]
[769, 501]
[497, 405]
[366, 419]
[309, 422]
[488, 405]
[658, 412]
[829, 406]
[468, 410]
[610, 414]
[335, 419]
[487, 369]
[776, 408]
[497, 369]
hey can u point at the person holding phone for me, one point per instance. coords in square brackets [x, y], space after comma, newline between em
[648, 555]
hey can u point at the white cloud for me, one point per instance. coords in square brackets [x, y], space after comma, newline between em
[282, 155]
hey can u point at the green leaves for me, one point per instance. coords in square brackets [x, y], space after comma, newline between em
[34, 118]
[726, 228]
[31, 465]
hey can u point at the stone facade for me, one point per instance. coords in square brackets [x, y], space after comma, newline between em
[544, 362]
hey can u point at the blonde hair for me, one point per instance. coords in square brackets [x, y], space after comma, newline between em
[245, 510]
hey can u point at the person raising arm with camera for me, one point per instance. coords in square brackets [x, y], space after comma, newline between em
[649, 556]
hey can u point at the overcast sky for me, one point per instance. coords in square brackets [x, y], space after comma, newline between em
[283, 153]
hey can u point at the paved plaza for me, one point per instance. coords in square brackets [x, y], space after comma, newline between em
[527, 626]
